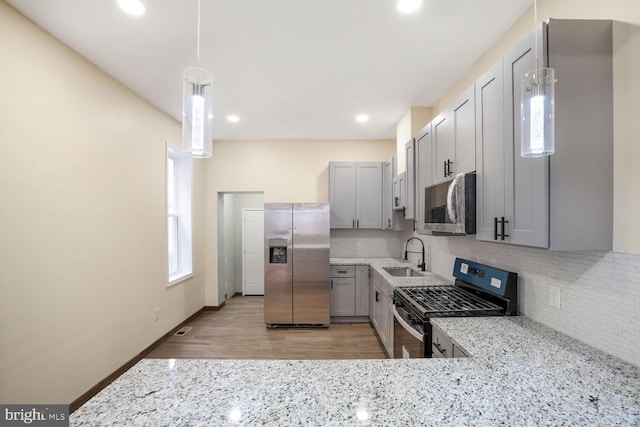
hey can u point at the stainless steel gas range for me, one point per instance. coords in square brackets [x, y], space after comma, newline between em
[479, 290]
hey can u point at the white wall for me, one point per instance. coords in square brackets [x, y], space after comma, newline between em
[285, 171]
[83, 250]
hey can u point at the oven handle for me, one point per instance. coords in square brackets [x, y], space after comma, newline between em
[406, 326]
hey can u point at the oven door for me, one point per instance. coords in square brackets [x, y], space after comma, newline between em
[408, 339]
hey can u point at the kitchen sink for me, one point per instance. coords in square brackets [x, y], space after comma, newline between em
[402, 271]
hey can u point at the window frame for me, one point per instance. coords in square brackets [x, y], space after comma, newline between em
[181, 212]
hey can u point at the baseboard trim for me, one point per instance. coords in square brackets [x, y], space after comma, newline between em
[73, 406]
[213, 307]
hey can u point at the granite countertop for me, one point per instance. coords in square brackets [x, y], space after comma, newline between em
[428, 278]
[519, 373]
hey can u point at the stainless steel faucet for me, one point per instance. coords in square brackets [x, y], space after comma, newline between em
[422, 265]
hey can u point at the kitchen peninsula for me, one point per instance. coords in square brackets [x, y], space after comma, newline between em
[518, 372]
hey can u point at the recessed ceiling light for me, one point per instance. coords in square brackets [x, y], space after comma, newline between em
[362, 118]
[408, 6]
[233, 118]
[132, 7]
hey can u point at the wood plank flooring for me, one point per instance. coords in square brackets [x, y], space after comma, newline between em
[238, 331]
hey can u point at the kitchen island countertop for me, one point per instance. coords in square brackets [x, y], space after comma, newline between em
[520, 373]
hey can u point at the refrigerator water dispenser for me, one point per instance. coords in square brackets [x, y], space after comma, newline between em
[277, 251]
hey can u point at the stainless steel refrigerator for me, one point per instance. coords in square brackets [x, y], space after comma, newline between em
[296, 273]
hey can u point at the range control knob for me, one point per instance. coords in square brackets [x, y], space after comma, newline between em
[413, 319]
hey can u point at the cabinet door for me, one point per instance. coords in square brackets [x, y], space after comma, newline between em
[389, 319]
[342, 194]
[362, 290]
[423, 171]
[343, 293]
[464, 132]
[402, 189]
[526, 179]
[443, 148]
[368, 195]
[378, 313]
[388, 172]
[397, 200]
[490, 152]
[410, 170]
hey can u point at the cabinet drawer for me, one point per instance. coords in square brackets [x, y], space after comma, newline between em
[441, 344]
[343, 271]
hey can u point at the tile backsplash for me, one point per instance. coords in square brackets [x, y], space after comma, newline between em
[368, 243]
[599, 291]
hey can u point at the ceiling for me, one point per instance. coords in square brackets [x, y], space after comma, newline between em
[290, 69]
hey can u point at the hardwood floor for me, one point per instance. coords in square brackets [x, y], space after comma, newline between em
[238, 331]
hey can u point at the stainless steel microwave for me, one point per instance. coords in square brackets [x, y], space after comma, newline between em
[450, 207]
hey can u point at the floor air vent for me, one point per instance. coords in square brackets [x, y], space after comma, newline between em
[183, 331]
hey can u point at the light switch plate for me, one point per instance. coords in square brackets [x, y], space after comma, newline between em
[555, 296]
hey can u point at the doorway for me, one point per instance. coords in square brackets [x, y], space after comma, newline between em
[230, 239]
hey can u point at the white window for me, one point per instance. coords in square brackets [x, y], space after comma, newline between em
[179, 232]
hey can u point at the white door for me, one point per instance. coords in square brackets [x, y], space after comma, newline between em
[252, 252]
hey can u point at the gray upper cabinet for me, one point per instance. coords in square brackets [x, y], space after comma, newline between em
[443, 147]
[561, 202]
[527, 179]
[463, 115]
[388, 173]
[410, 169]
[490, 151]
[355, 194]
[342, 194]
[424, 178]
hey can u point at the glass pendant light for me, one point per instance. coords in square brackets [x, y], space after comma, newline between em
[197, 108]
[537, 107]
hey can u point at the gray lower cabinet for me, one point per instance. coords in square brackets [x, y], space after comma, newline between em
[565, 201]
[349, 291]
[382, 312]
[362, 290]
[355, 194]
[343, 295]
[443, 347]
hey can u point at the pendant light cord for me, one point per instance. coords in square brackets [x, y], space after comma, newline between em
[198, 40]
[535, 33]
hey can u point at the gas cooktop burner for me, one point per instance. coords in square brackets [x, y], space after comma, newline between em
[447, 300]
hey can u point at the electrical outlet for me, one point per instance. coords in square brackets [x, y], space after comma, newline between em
[555, 296]
[358, 245]
[156, 314]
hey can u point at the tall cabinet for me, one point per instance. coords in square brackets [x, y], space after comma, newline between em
[355, 194]
[565, 201]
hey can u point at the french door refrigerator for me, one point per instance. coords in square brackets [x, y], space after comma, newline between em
[296, 273]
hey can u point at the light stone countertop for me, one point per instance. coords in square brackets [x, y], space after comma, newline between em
[427, 279]
[519, 373]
